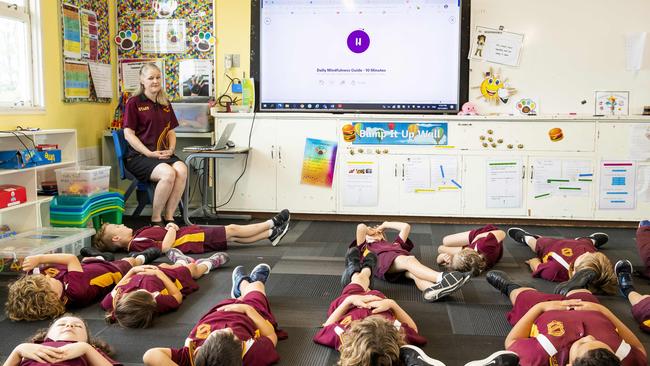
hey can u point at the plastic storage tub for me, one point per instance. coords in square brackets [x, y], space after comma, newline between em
[83, 181]
[192, 117]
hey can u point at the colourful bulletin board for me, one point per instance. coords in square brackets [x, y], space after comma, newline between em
[85, 38]
[200, 41]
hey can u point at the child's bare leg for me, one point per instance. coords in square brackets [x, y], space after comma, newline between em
[169, 265]
[499, 234]
[246, 287]
[456, 240]
[516, 292]
[419, 283]
[197, 271]
[133, 261]
[636, 297]
[362, 278]
[419, 270]
[532, 243]
[245, 233]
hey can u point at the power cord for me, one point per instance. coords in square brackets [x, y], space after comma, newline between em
[224, 95]
[250, 134]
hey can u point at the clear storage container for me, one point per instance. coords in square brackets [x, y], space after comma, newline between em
[192, 117]
[83, 180]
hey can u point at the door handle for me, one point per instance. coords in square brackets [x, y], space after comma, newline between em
[272, 148]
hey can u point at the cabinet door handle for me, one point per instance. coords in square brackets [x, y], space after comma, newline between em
[272, 148]
[395, 170]
[402, 170]
[523, 172]
[532, 173]
[279, 152]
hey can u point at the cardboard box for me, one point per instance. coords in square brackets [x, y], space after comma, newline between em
[19, 159]
[11, 195]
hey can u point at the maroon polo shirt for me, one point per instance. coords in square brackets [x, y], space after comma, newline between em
[165, 302]
[84, 288]
[554, 332]
[551, 269]
[150, 121]
[189, 239]
[257, 350]
[330, 335]
[79, 361]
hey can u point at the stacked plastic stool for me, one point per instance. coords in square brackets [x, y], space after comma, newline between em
[75, 211]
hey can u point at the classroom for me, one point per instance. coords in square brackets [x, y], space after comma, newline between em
[324, 182]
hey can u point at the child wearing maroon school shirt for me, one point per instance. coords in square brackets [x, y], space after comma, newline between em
[236, 331]
[394, 260]
[67, 342]
[551, 329]
[643, 245]
[192, 239]
[364, 325]
[559, 259]
[63, 281]
[472, 251]
[146, 291]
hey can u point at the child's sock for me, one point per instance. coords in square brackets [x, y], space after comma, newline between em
[207, 264]
[270, 233]
[181, 262]
[270, 224]
[529, 238]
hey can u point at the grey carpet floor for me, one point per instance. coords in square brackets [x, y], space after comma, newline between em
[467, 325]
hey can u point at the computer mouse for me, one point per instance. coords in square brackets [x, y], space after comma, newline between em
[230, 144]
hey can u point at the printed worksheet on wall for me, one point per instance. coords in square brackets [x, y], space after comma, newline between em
[361, 182]
[504, 184]
[617, 185]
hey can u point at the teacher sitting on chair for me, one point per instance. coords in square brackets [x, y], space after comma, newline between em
[149, 123]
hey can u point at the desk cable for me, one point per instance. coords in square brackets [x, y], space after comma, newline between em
[234, 187]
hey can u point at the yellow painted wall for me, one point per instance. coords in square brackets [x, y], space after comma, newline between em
[90, 119]
[233, 23]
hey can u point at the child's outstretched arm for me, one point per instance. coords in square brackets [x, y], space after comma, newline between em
[69, 260]
[170, 237]
[158, 357]
[362, 230]
[403, 228]
[169, 285]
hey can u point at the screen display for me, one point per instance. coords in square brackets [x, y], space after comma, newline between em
[372, 55]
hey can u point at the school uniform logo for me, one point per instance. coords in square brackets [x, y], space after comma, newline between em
[51, 272]
[555, 328]
[203, 331]
[166, 109]
[346, 321]
[567, 252]
[143, 108]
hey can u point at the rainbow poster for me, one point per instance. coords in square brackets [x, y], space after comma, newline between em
[76, 79]
[319, 162]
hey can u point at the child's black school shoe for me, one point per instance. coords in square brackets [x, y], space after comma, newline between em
[599, 239]
[499, 358]
[352, 265]
[415, 356]
[501, 281]
[278, 232]
[450, 282]
[238, 275]
[519, 235]
[580, 279]
[157, 223]
[149, 254]
[282, 217]
[623, 270]
[261, 273]
[94, 252]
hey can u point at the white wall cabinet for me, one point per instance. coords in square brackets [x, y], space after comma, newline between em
[272, 180]
[35, 212]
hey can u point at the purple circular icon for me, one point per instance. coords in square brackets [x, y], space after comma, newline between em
[358, 41]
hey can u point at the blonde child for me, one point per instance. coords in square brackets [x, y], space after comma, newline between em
[472, 251]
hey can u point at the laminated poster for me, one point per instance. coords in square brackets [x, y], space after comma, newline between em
[319, 162]
[617, 185]
[163, 36]
[504, 184]
[71, 31]
[76, 80]
[89, 35]
[497, 46]
[130, 69]
[195, 78]
[361, 183]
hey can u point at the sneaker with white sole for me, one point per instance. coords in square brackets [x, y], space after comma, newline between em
[599, 239]
[500, 358]
[238, 275]
[451, 281]
[415, 356]
[175, 255]
[261, 273]
[217, 259]
[278, 232]
[519, 235]
[282, 217]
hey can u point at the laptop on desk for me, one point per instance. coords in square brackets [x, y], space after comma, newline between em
[220, 145]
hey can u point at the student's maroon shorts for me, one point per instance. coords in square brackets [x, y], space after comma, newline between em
[385, 260]
[215, 238]
[485, 229]
[182, 275]
[641, 312]
[529, 298]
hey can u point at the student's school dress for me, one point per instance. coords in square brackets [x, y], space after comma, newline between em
[386, 253]
[489, 246]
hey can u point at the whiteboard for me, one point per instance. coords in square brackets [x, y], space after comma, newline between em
[571, 49]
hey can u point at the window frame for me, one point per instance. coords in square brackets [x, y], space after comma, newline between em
[29, 14]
